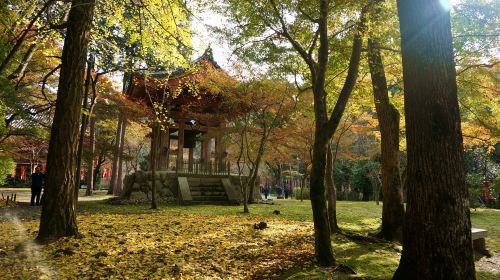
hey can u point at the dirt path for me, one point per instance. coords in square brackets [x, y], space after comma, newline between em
[25, 212]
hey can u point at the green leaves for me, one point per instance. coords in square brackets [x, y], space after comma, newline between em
[154, 33]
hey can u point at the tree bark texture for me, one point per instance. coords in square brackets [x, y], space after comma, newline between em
[331, 191]
[58, 217]
[90, 163]
[388, 119]
[437, 233]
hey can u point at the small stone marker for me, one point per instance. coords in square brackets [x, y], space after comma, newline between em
[479, 242]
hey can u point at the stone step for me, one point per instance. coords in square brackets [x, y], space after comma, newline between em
[209, 198]
[207, 188]
[215, 202]
[203, 181]
[208, 193]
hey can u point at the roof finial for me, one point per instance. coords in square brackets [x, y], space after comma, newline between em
[209, 52]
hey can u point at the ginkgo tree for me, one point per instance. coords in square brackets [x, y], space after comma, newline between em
[146, 35]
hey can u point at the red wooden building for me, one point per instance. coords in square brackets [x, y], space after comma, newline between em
[192, 141]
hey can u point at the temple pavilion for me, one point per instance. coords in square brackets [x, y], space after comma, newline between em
[191, 156]
[191, 141]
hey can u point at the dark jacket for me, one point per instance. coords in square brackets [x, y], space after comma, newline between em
[37, 180]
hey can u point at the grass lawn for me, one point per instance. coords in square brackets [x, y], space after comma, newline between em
[206, 241]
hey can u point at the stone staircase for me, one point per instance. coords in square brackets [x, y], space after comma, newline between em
[204, 190]
[208, 193]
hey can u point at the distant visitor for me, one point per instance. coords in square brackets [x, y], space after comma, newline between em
[36, 186]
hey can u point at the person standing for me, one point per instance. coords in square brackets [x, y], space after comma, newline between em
[36, 186]
[266, 191]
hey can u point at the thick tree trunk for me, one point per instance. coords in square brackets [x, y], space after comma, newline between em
[388, 119]
[437, 233]
[331, 191]
[58, 217]
[90, 163]
[119, 174]
[116, 157]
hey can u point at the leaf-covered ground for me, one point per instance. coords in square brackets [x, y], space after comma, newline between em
[203, 242]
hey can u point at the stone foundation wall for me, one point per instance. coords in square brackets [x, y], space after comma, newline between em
[141, 181]
[167, 184]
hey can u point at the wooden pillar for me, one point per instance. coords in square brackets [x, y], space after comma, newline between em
[218, 151]
[205, 145]
[180, 146]
[202, 151]
[163, 149]
[167, 148]
[191, 159]
[150, 161]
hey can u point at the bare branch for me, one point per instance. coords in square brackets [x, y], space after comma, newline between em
[476, 66]
[20, 41]
[307, 58]
[44, 82]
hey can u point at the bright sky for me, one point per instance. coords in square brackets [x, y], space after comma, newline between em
[203, 38]
[221, 50]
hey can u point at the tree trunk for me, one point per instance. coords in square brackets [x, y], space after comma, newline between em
[58, 217]
[116, 157]
[119, 174]
[388, 119]
[331, 191]
[83, 127]
[260, 154]
[154, 163]
[245, 198]
[97, 170]
[90, 163]
[243, 187]
[24, 62]
[322, 240]
[437, 233]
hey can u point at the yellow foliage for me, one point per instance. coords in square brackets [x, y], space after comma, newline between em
[157, 245]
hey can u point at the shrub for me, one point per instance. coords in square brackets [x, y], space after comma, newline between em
[301, 193]
[495, 190]
[474, 181]
[6, 166]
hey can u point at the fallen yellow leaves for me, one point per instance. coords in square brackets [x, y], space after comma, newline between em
[159, 245]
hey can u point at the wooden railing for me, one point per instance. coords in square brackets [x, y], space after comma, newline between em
[198, 167]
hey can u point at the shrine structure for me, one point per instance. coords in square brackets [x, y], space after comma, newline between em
[191, 156]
